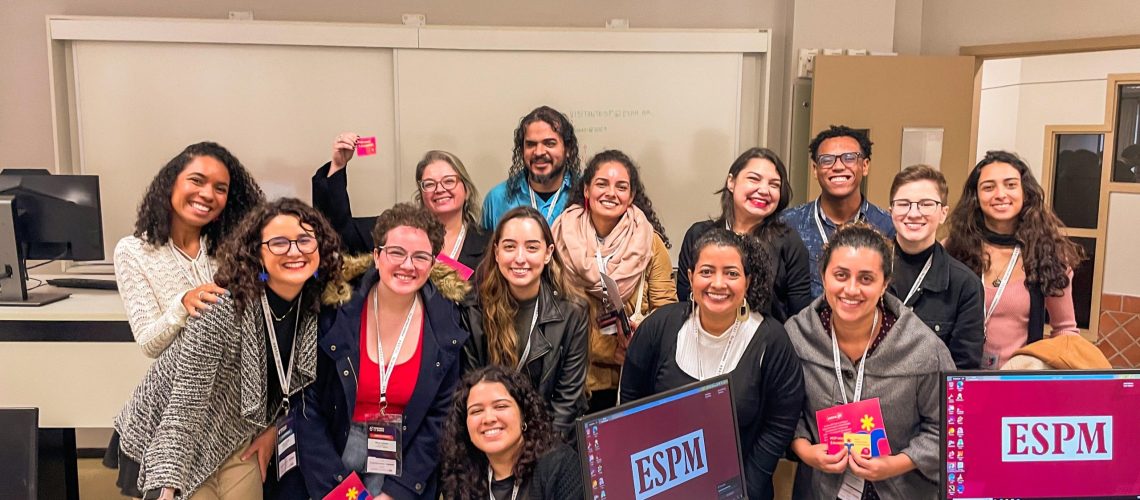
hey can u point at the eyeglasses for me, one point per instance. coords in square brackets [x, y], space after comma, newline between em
[281, 245]
[448, 182]
[925, 207]
[849, 159]
[397, 256]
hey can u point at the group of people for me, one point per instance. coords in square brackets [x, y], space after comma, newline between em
[445, 347]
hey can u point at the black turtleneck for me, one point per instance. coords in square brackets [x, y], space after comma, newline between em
[285, 328]
[522, 321]
[908, 267]
[998, 239]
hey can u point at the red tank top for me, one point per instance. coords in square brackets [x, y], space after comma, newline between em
[400, 387]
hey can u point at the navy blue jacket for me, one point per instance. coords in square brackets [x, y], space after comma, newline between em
[327, 406]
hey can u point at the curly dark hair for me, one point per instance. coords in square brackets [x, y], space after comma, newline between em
[562, 126]
[860, 235]
[841, 131]
[1048, 254]
[464, 467]
[240, 255]
[155, 212]
[771, 228]
[759, 266]
[407, 214]
[640, 197]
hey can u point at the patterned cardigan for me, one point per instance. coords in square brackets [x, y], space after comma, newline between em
[204, 397]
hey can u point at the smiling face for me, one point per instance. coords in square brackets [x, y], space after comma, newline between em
[289, 272]
[439, 200]
[403, 276]
[522, 253]
[755, 191]
[719, 284]
[494, 420]
[200, 191]
[543, 152]
[1000, 196]
[841, 180]
[609, 194]
[853, 282]
[913, 227]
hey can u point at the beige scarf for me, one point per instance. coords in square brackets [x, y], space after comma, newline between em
[627, 247]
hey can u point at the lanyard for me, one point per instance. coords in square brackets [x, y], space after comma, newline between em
[727, 347]
[491, 477]
[530, 333]
[819, 222]
[454, 253]
[196, 279]
[284, 374]
[1001, 286]
[918, 280]
[386, 370]
[553, 200]
[862, 362]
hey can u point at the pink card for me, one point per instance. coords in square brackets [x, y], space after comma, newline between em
[366, 146]
[463, 271]
[863, 417]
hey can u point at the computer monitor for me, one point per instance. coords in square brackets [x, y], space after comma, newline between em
[45, 217]
[680, 444]
[1041, 434]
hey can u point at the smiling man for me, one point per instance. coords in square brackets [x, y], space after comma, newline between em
[544, 166]
[840, 158]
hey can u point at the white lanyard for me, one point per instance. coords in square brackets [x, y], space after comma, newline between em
[284, 374]
[553, 200]
[491, 477]
[862, 361]
[530, 333]
[723, 356]
[918, 280]
[1001, 286]
[454, 254]
[196, 279]
[819, 223]
[386, 370]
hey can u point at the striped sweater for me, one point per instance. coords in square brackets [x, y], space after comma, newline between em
[205, 396]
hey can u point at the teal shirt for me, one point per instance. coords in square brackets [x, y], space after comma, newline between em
[501, 199]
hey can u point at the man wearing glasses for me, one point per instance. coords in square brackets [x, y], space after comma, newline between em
[840, 157]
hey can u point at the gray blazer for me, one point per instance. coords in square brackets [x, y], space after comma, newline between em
[204, 397]
[903, 372]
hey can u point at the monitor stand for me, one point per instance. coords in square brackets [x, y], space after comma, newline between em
[13, 270]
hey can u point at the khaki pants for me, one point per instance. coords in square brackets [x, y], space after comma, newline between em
[236, 479]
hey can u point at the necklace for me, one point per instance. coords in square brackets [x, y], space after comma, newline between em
[724, 354]
[287, 311]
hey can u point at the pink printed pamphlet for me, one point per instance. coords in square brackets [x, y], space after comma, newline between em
[861, 417]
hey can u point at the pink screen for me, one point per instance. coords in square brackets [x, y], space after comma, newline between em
[612, 441]
[1042, 436]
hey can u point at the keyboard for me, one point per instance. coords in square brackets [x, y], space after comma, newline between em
[84, 283]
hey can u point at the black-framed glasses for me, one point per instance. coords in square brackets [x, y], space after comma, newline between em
[925, 207]
[280, 245]
[448, 182]
[849, 159]
[397, 255]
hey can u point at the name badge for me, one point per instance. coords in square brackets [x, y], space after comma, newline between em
[385, 445]
[614, 322]
[286, 449]
[852, 488]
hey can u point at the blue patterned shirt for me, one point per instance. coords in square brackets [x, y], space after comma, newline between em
[501, 199]
[808, 219]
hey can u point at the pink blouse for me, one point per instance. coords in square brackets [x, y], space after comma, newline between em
[1008, 328]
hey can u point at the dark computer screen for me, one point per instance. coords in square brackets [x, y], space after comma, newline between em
[1044, 434]
[57, 216]
[680, 444]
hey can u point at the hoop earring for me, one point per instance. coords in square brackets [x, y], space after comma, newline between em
[524, 427]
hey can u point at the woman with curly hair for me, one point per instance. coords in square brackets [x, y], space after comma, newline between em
[725, 331]
[236, 367]
[610, 235]
[443, 187]
[530, 317]
[754, 195]
[1002, 230]
[388, 364]
[499, 443]
[165, 270]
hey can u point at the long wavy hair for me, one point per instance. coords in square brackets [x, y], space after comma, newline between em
[240, 256]
[1048, 254]
[464, 467]
[759, 266]
[562, 126]
[499, 306]
[640, 197]
[155, 212]
[471, 206]
[771, 228]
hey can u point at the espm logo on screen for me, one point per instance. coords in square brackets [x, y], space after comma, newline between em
[1056, 439]
[669, 464]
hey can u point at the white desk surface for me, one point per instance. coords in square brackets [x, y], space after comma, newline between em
[83, 305]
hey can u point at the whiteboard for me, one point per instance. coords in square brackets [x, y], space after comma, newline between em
[276, 108]
[677, 115]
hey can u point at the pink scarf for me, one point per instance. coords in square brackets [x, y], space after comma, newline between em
[630, 244]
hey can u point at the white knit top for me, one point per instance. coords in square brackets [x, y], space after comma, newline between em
[699, 352]
[152, 281]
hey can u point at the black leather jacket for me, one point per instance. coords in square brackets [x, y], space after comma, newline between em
[558, 357]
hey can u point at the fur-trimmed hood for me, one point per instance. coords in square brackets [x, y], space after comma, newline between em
[445, 279]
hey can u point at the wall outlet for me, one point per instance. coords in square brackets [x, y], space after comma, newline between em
[806, 65]
[414, 19]
[241, 15]
[617, 23]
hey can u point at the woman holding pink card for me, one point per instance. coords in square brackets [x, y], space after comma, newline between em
[862, 350]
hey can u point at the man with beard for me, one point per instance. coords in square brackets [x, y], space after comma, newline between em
[840, 158]
[544, 167]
